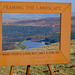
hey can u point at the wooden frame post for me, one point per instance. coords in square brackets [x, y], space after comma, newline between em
[28, 68]
[11, 70]
[50, 69]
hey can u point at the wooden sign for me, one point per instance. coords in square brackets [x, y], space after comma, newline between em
[14, 58]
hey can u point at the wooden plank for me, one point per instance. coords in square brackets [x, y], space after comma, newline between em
[50, 69]
[28, 68]
[11, 70]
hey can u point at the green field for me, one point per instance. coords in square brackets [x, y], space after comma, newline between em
[21, 46]
[58, 69]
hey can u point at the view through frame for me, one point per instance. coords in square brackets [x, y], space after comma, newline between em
[38, 57]
[30, 32]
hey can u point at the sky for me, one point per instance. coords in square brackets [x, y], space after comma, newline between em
[67, 1]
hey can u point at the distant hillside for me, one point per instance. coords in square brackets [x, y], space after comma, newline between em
[52, 22]
[39, 22]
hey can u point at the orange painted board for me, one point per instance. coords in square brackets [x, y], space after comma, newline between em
[38, 57]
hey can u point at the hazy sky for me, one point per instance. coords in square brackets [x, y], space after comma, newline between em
[69, 1]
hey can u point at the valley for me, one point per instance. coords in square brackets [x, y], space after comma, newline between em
[45, 29]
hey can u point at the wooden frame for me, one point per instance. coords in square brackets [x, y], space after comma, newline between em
[38, 57]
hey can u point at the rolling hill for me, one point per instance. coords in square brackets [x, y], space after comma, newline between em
[52, 22]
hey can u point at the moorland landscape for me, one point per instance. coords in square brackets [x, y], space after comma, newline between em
[35, 28]
[46, 29]
[15, 32]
